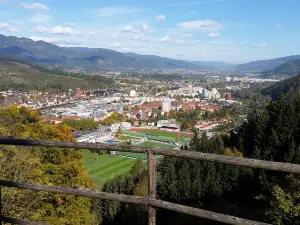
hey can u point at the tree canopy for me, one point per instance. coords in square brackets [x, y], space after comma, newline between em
[47, 166]
[82, 124]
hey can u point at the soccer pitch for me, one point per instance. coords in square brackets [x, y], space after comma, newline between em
[106, 166]
[102, 168]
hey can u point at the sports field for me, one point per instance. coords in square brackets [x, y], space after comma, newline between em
[157, 135]
[102, 168]
[106, 167]
[143, 156]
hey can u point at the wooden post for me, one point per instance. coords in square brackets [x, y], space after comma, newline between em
[151, 187]
[0, 207]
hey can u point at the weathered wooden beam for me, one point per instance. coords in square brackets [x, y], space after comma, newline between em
[1, 220]
[136, 200]
[99, 147]
[19, 221]
[151, 187]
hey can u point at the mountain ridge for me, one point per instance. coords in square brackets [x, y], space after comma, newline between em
[102, 59]
[86, 58]
[264, 65]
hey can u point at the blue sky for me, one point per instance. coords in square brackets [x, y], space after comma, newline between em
[233, 31]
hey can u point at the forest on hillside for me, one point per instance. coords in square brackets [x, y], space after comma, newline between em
[271, 133]
[20, 76]
[288, 88]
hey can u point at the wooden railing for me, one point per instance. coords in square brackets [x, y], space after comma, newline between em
[151, 200]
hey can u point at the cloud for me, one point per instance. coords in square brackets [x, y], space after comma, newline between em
[242, 43]
[167, 38]
[249, 53]
[199, 24]
[194, 42]
[116, 45]
[180, 55]
[58, 30]
[194, 3]
[188, 35]
[127, 29]
[145, 27]
[260, 45]
[115, 11]
[141, 38]
[278, 25]
[34, 6]
[213, 35]
[160, 18]
[39, 38]
[40, 19]
[8, 27]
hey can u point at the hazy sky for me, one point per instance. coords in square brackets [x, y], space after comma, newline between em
[226, 30]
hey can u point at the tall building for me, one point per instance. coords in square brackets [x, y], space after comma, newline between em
[166, 106]
[204, 92]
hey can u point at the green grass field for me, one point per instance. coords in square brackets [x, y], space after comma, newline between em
[107, 167]
[125, 137]
[102, 168]
[143, 156]
[165, 136]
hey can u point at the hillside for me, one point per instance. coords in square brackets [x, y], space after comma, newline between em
[86, 58]
[288, 87]
[290, 68]
[20, 75]
[263, 65]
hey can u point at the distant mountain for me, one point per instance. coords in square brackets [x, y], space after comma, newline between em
[288, 88]
[217, 65]
[290, 68]
[89, 58]
[264, 65]
[19, 74]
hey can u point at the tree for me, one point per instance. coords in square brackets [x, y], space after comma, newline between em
[125, 108]
[82, 124]
[119, 132]
[47, 166]
[114, 118]
[2, 99]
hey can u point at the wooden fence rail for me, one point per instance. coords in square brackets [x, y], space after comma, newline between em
[135, 200]
[151, 200]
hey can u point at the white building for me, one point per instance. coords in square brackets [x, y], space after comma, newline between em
[94, 136]
[132, 93]
[166, 106]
